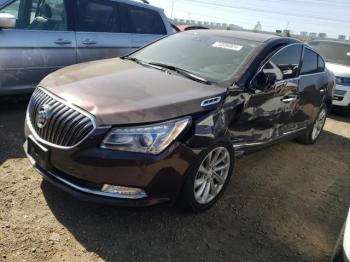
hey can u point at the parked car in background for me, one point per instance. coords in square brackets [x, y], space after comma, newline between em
[190, 27]
[38, 37]
[337, 55]
[341, 251]
[166, 122]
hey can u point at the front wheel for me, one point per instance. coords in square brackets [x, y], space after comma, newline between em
[314, 131]
[208, 178]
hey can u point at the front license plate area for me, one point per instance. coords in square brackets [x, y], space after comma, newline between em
[40, 154]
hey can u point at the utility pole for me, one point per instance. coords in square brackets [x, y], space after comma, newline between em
[172, 8]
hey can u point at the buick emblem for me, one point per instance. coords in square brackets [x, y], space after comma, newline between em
[42, 116]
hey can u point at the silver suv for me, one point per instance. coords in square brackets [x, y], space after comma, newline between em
[38, 37]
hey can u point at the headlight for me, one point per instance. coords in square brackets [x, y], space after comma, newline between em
[343, 80]
[151, 139]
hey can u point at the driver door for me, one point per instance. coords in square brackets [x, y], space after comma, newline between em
[271, 100]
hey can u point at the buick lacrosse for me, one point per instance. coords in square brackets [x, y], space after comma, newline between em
[165, 123]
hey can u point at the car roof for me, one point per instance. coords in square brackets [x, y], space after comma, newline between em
[258, 37]
[129, 2]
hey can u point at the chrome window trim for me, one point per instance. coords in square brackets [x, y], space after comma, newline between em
[269, 58]
[68, 104]
[301, 64]
[318, 55]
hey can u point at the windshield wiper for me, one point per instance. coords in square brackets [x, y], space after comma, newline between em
[132, 59]
[136, 60]
[183, 72]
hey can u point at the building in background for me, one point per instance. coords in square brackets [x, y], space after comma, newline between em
[322, 35]
[304, 36]
[341, 37]
[209, 24]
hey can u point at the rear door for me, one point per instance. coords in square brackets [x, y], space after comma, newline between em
[99, 31]
[288, 62]
[145, 24]
[40, 44]
[313, 85]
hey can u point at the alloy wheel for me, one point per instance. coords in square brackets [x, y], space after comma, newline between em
[211, 175]
[319, 123]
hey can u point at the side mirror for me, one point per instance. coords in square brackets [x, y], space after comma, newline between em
[264, 81]
[7, 20]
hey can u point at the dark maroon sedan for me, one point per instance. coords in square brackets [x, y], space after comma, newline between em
[166, 122]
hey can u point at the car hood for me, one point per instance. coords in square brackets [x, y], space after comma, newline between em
[339, 70]
[120, 92]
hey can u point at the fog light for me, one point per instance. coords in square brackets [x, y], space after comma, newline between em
[124, 192]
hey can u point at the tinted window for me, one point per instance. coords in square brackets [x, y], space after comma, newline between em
[213, 57]
[310, 62]
[334, 52]
[321, 64]
[39, 15]
[97, 16]
[285, 63]
[144, 21]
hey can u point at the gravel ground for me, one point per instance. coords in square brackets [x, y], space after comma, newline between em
[285, 203]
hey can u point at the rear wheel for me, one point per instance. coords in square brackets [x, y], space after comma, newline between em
[208, 178]
[314, 131]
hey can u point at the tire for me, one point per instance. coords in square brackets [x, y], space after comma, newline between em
[337, 255]
[309, 137]
[191, 198]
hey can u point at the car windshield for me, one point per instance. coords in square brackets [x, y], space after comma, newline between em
[215, 57]
[337, 53]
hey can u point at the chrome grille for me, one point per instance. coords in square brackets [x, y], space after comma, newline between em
[64, 125]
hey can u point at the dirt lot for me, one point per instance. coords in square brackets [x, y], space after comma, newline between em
[286, 203]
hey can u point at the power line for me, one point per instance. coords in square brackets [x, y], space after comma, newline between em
[345, 4]
[235, 19]
[279, 12]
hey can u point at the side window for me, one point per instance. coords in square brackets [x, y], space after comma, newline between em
[310, 62]
[285, 63]
[321, 64]
[39, 14]
[97, 16]
[144, 21]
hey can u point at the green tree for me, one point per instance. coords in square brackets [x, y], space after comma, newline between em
[257, 27]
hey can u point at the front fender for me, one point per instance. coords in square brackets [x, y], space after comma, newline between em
[213, 127]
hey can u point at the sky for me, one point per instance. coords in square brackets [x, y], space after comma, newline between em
[320, 16]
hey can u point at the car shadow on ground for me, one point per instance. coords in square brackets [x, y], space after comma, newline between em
[12, 115]
[285, 203]
[336, 116]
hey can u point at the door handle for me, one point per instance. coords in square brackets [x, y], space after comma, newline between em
[61, 41]
[89, 42]
[288, 99]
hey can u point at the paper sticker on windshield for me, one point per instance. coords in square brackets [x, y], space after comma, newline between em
[228, 46]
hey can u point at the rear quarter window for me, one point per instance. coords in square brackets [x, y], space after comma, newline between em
[144, 21]
[97, 16]
[321, 64]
